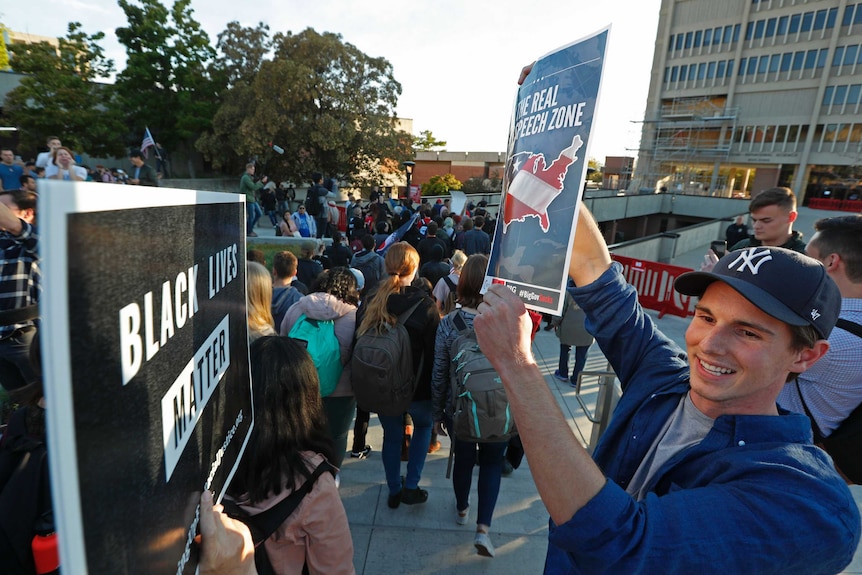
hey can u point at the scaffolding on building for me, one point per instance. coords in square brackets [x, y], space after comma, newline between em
[685, 144]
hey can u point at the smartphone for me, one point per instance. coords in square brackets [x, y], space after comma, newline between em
[719, 247]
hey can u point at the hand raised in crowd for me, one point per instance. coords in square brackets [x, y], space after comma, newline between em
[502, 312]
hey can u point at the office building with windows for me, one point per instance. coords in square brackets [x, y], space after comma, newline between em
[750, 94]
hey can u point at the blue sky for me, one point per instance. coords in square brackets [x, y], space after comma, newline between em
[457, 61]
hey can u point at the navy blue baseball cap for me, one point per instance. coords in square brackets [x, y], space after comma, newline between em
[787, 285]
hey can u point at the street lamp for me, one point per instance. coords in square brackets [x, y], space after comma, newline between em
[408, 169]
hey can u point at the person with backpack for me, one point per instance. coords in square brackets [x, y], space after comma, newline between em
[398, 308]
[330, 309]
[447, 361]
[445, 289]
[289, 448]
[370, 263]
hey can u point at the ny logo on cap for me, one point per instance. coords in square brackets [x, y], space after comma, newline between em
[751, 259]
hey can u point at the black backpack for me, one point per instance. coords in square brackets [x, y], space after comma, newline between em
[312, 200]
[844, 444]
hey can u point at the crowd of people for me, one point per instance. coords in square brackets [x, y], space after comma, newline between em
[708, 462]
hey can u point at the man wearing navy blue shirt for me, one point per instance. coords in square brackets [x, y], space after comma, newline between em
[10, 172]
[698, 471]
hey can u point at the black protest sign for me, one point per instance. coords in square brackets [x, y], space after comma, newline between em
[158, 379]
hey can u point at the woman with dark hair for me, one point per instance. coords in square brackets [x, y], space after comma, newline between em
[334, 297]
[491, 454]
[289, 441]
[395, 296]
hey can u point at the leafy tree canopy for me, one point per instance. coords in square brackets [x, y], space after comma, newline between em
[326, 103]
[426, 142]
[440, 185]
[59, 95]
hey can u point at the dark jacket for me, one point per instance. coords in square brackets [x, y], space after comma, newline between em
[795, 243]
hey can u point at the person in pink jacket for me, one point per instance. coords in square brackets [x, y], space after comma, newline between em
[333, 296]
[288, 442]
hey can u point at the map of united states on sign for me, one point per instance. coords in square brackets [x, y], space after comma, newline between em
[535, 186]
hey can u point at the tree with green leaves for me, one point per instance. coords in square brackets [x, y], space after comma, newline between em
[326, 103]
[426, 142]
[166, 83]
[60, 95]
[440, 185]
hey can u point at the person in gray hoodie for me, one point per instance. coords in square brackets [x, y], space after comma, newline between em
[370, 263]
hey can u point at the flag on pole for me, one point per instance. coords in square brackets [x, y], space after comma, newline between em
[397, 234]
[147, 142]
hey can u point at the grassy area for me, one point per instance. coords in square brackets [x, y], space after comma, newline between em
[270, 249]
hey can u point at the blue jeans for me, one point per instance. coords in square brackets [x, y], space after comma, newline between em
[580, 360]
[393, 433]
[490, 471]
[253, 212]
[15, 367]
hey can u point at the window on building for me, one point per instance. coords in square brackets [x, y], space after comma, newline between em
[716, 36]
[807, 20]
[752, 66]
[792, 134]
[729, 68]
[786, 58]
[774, 61]
[701, 71]
[798, 58]
[853, 94]
[831, 17]
[666, 75]
[840, 95]
[719, 70]
[770, 27]
[856, 133]
[780, 134]
[749, 28]
[698, 38]
[830, 132]
[710, 70]
[683, 73]
[857, 17]
[821, 57]
[828, 93]
[692, 72]
[763, 65]
[850, 54]
[742, 62]
[679, 40]
[688, 38]
[670, 43]
[782, 25]
[820, 19]
[810, 59]
[674, 73]
[818, 137]
[759, 27]
[768, 134]
[847, 19]
[728, 35]
[839, 55]
[736, 29]
[707, 37]
[803, 132]
[794, 23]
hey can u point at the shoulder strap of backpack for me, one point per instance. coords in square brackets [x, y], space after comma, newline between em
[266, 523]
[453, 287]
[818, 435]
[850, 326]
[459, 322]
[402, 319]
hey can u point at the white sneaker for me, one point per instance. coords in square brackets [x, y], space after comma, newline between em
[461, 517]
[483, 544]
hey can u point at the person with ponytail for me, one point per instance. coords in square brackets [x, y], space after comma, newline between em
[394, 296]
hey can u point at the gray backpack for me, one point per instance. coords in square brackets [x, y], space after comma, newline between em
[480, 408]
[382, 368]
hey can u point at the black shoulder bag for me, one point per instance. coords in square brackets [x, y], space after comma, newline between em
[843, 444]
[263, 525]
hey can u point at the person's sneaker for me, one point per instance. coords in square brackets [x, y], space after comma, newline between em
[413, 496]
[434, 447]
[507, 468]
[361, 454]
[560, 377]
[461, 517]
[483, 544]
[252, 235]
[394, 500]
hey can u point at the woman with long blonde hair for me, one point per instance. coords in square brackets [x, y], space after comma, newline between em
[394, 296]
[259, 301]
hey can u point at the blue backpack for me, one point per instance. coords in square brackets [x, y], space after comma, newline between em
[322, 345]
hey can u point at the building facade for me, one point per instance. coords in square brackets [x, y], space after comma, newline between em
[750, 94]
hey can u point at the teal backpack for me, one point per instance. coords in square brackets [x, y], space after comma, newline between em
[322, 345]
